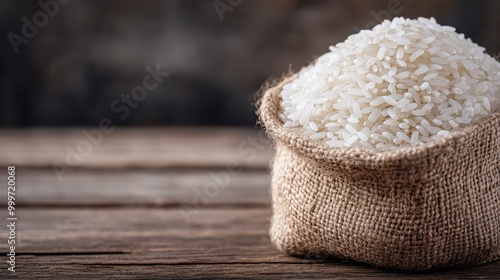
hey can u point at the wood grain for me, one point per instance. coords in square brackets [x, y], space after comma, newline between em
[128, 229]
[135, 148]
[148, 188]
[31, 270]
[149, 243]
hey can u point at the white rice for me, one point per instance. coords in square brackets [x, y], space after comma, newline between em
[404, 83]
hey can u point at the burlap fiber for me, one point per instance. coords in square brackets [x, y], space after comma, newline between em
[417, 208]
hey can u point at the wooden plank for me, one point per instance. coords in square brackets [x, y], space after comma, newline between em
[148, 188]
[127, 230]
[147, 243]
[29, 269]
[135, 147]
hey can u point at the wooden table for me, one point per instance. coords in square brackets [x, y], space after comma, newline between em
[155, 203]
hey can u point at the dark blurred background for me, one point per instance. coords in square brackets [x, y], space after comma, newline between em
[85, 56]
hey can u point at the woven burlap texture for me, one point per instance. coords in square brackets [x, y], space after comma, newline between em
[417, 208]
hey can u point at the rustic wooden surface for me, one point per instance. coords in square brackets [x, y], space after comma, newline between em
[119, 214]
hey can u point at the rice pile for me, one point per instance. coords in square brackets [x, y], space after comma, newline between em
[405, 82]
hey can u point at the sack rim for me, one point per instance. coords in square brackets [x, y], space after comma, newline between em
[269, 118]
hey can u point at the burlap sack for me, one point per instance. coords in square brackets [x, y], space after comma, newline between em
[435, 205]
